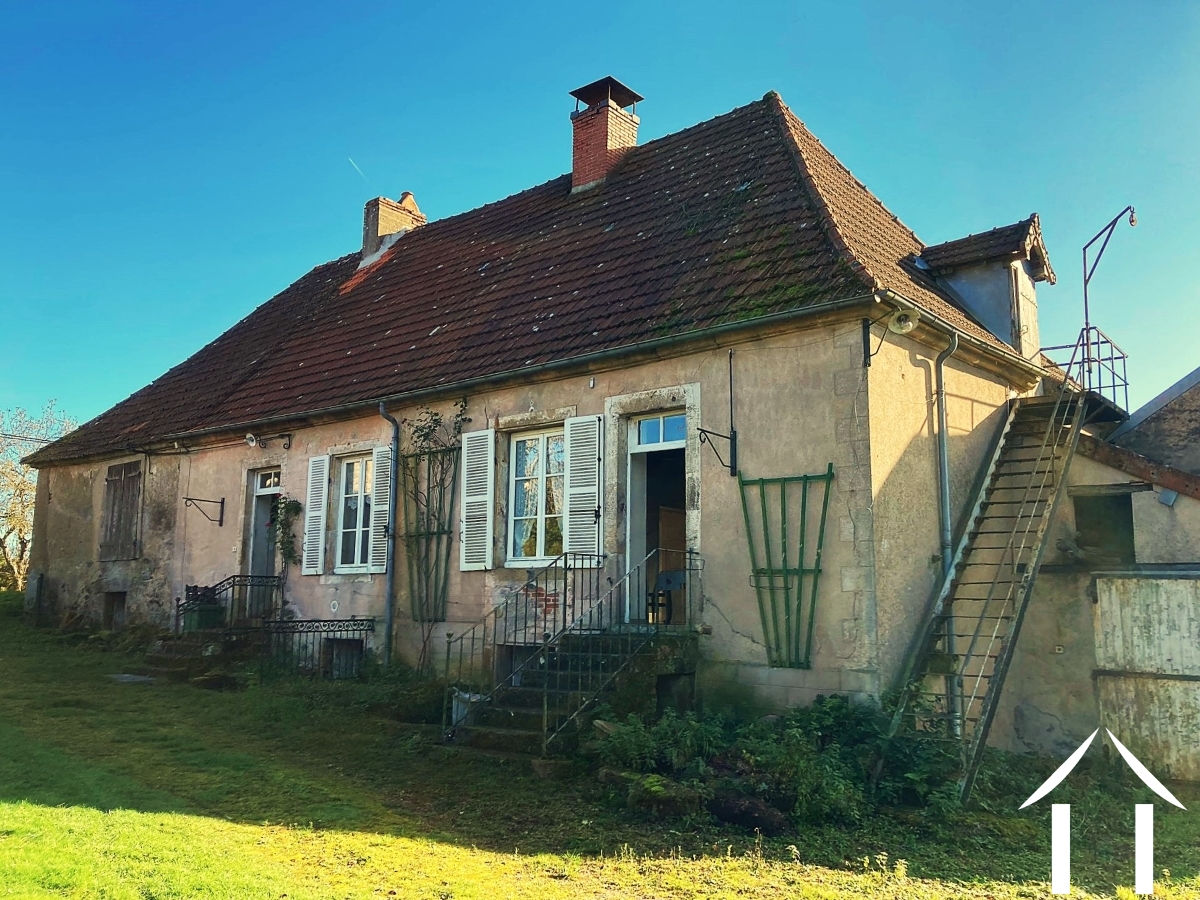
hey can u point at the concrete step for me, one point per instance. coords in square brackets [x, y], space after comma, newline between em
[522, 718]
[506, 740]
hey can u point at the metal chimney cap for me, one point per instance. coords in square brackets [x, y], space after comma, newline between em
[607, 88]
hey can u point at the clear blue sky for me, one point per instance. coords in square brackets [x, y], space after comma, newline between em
[164, 168]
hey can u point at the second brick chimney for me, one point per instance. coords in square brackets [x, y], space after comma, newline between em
[604, 130]
[383, 217]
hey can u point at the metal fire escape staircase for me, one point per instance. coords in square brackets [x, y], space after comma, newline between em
[955, 671]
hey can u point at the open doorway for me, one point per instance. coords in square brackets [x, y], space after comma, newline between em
[657, 510]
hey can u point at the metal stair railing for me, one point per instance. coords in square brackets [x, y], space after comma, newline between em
[1034, 540]
[236, 600]
[1006, 599]
[608, 642]
[512, 631]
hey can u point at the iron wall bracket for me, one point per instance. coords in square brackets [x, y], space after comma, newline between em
[706, 437]
[220, 504]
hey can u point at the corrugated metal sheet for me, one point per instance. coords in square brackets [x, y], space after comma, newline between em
[1148, 660]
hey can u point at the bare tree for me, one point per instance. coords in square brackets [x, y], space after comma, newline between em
[20, 434]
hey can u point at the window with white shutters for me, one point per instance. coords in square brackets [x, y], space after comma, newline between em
[584, 450]
[377, 556]
[314, 516]
[476, 528]
[536, 493]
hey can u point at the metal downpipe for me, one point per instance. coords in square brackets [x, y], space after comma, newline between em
[953, 682]
[389, 603]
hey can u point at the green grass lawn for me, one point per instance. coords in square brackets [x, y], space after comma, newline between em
[133, 791]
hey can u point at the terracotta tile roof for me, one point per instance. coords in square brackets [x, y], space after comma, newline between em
[739, 217]
[1021, 240]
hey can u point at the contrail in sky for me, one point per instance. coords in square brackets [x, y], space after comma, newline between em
[357, 169]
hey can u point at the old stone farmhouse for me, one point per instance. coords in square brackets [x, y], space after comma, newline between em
[714, 391]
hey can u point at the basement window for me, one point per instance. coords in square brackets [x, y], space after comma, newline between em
[1104, 529]
[122, 503]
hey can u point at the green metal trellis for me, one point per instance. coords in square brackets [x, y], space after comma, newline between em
[428, 481]
[785, 559]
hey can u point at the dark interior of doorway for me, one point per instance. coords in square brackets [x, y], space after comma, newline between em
[666, 502]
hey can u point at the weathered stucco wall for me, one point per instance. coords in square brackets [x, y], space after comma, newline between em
[802, 400]
[794, 394]
[904, 471]
[66, 543]
[1050, 701]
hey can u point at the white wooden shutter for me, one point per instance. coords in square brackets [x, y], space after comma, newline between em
[381, 490]
[584, 449]
[476, 527]
[314, 516]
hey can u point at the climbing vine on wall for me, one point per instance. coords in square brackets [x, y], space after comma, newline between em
[284, 513]
[428, 479]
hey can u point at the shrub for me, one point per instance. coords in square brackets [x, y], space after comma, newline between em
[824, 763]
[674, 745]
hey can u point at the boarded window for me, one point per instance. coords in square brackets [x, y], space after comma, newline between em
[1104, 529]
[122, 502]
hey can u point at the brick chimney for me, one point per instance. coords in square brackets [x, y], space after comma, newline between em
[604, 130]
[383, 217]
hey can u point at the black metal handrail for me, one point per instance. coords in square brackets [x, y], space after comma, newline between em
[324, 648]
[543, 606]
[619, 619]
[1096, 364]
[581, 662]
[237, 600]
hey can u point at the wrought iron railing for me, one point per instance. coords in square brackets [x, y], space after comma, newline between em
[571, 652]
[583, 661]
[238, 600]
[540, 608]
[317, 648]
[1096, 364]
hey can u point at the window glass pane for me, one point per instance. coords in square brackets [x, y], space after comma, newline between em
[367, 465]
[346, 557]
[554, 545]
[527, 457]
[648, 431]
[554, 495]
[350, 512]
[675, 428]
[524, 538]
[350, 478]
[554, 454]
[525, 497]
[364, 543]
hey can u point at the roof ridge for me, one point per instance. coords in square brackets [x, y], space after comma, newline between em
[829, 220]
[786, 111]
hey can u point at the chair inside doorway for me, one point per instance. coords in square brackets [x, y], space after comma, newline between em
[658, 518]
